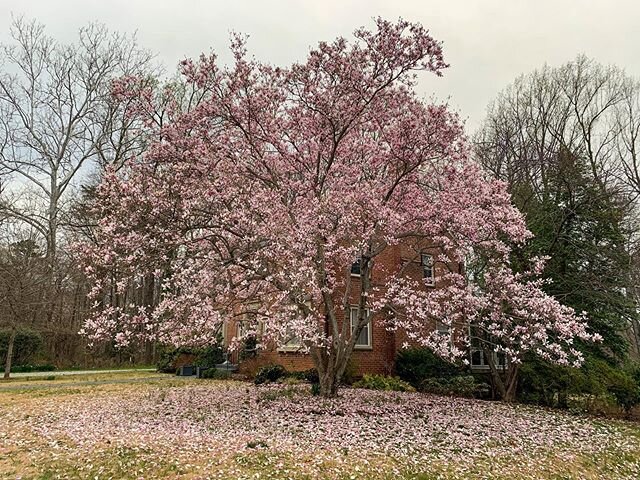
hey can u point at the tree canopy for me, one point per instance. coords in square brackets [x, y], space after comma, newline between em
[278, 179]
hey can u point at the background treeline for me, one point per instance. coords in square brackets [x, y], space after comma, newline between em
[564, 139]
[60, 127]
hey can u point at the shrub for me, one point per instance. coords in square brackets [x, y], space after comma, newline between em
[619, 383]
[166, 359]
[209, 357]
[460, 385]
[249, 348]
[633, 369]
[214, 373]
[27, 344]
[350, 372]
[416, 365]
[315, 389]
[542, 383]
[270, 373]
[381, 382]
[595, 387]
[47, 367]
[310, 375]
[206, 357]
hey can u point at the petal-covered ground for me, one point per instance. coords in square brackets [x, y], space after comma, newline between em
[209, 429]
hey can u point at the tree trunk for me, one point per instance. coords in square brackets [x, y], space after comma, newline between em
[505, 381]
[331, 367]
[329, 384]
[7, 364]
[512, 382]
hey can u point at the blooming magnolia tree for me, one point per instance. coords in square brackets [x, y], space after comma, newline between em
[267, 191]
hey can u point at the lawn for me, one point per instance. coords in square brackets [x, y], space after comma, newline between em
[144, 427]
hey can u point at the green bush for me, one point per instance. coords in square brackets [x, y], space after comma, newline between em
[381, 382]
[549, 385]
[315, 389]
[595, 384]
[460, 385]
[270, 373]
[350, 374]
[633, 369]
[27, 344]
[214, 373]
[615, 381]
[209, 357]
[249, 348]
[33, 368]
[416, 365]
[206, 357]
[310, 375]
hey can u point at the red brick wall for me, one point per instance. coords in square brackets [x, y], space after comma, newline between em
[380, 357]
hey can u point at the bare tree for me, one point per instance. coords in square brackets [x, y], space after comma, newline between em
[579, 106]
[59, 125]
[588, 112]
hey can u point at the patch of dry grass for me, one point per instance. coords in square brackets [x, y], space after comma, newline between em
[156, 428]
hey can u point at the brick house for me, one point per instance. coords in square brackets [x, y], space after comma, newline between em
[376, 347]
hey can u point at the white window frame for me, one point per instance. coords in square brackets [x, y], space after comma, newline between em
[430, 281]
[223, 330]
[483, 365]
[368, 326]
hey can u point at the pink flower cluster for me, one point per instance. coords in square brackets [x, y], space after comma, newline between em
[273, 181]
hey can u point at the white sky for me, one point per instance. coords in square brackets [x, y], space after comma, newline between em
[487, 42]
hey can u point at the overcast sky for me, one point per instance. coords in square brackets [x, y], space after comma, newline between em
[488, 43]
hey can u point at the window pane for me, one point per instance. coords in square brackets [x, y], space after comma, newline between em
[293, 342]
[355, 267]
[427, 266]
[441, 327]
[476, 357]
[363, 338]
[502, 359]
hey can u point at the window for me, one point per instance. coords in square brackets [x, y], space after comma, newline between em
[222, 333]
[364, 339]
[428, 270]
[355, 268]
[291, 343]
[252, 319]
[239, 329]
[479, 360]
[442, 327]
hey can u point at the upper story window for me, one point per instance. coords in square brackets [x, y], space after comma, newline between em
[428, 269]
[364, 340]
[442, 328]
[355, 268]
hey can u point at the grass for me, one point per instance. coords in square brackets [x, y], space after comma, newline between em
[142, 425]
[94, 376]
